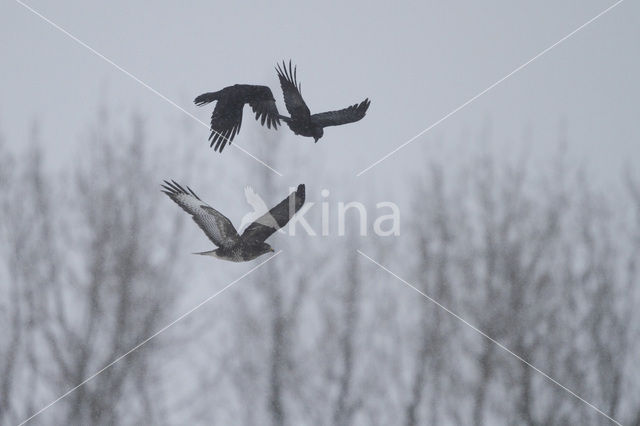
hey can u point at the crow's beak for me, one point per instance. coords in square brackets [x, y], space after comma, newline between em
[316, 139]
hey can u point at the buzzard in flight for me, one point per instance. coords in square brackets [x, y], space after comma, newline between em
[227, 115]
[302, 122]
[232, 246]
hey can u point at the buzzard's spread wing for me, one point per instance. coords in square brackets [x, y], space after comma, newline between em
[217, 227]
[275, 218]
[343, 116]
[291, 91]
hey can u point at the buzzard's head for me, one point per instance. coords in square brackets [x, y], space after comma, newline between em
[317, 133]
[265, 248]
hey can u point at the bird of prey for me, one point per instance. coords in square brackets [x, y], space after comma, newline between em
[232, 246]
[227, 115]
[302, 122]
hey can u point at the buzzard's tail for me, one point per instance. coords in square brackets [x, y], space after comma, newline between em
[211, 253]
[205, 98]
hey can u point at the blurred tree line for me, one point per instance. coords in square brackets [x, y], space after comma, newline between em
[535, 256]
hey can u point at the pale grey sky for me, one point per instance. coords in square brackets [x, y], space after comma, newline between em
[417, 61]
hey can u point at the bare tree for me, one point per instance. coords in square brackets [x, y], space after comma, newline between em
[348, 399]
[537, 258]
[96, 276]
[14, 309]
[537, 268]
[433, 242]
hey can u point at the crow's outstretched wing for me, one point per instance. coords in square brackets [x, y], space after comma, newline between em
[264, 106]
[275, 218]
[214, 224]
[343, 116]
[225, 123]
[226, 118]
[291, 90]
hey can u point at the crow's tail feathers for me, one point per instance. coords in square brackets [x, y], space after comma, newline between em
[206, 98]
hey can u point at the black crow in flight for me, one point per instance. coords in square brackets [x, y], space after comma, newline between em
[231, 246]
[227, 115]
[302, 122]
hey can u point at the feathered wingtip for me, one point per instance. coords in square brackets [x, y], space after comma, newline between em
[290, 74]
[270, 115]
[300, 196]
[362, 107]
[206, 98]
[174, 188]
